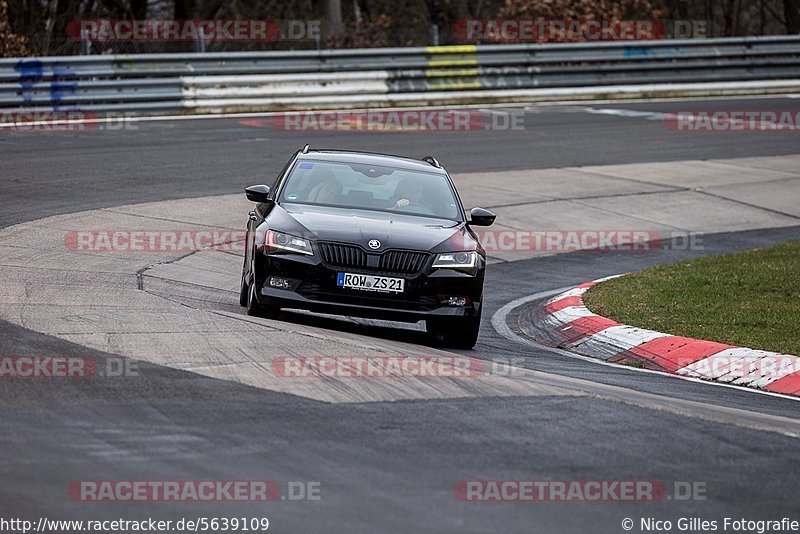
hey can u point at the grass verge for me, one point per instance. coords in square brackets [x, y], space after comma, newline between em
[749, 299]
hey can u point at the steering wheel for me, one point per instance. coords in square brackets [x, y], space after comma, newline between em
[414, 207]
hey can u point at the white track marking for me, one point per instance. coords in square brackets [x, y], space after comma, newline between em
[627, 113]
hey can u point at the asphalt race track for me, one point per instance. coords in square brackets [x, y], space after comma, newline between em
[386, 456]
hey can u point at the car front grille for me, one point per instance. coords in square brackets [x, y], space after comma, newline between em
[393, 261]
[343, 255]
[401, 261]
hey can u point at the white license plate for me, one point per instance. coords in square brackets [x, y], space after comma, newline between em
[368, 282]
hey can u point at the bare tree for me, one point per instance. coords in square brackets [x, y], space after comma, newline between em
[791, 10]
[138, 9]
[333, 17]
[184, 9]
[11, 44]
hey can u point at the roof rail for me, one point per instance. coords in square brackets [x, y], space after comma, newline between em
[432, 161]
[305, 149]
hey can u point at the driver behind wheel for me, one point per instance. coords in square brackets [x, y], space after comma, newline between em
[327, 191]
[408, 193]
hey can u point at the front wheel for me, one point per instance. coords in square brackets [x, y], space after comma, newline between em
[243, 292]
[460, 333]
[256, 309]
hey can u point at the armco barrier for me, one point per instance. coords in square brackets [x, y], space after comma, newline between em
[258, 81]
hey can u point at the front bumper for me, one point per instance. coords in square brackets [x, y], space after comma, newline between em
[313, 287]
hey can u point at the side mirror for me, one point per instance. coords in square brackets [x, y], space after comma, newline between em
[481, 217]
[258, 193]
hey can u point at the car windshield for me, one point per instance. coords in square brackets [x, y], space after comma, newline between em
[371, 187]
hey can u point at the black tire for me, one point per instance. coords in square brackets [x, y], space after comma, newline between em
[243, 290]
[256, 309]
[253, 306]
[461, 333]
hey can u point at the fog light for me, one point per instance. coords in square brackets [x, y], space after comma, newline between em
[279, 283]
[455, 301]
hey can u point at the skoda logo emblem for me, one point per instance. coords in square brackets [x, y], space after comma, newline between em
[374, 244]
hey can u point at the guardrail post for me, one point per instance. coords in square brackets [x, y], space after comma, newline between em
[86, 43]
[200, 45]
[434, 35]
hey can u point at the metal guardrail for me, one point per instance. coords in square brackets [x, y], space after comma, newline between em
[247, 81]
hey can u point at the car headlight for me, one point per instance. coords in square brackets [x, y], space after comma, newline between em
[466, 261]
[288, 243]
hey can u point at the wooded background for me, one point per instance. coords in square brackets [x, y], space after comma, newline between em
[39, 27]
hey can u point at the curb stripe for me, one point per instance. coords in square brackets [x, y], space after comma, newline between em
[585, 326]
[609, 342]
[574, 292]
[674, 352]
[569, 314]
[560, 304]
[742, 366]
[789, 385]
[568, 323]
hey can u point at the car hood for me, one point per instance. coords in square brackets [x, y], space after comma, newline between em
[359, 227]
